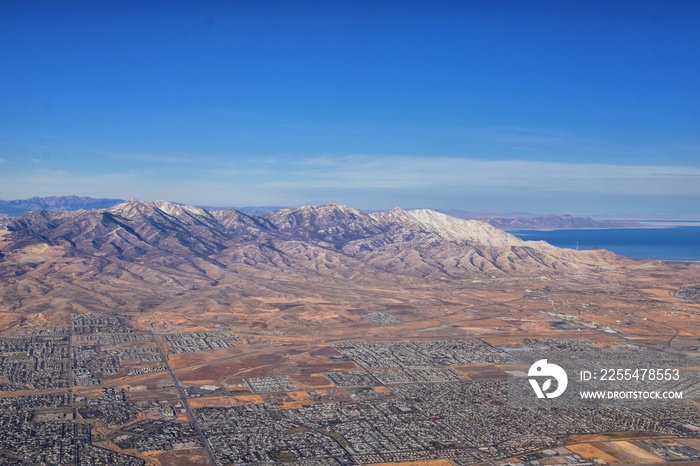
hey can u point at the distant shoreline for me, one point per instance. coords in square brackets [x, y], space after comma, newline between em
[665, 242]
[648, 224]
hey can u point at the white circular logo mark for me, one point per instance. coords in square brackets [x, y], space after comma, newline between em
[542, 368]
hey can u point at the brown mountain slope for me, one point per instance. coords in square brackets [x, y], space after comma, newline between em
[144, 256]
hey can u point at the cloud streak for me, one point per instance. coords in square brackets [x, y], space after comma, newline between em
[364, 171]
[378, 182]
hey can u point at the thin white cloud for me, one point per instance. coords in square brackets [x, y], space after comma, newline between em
[368, 181]
[400, 172]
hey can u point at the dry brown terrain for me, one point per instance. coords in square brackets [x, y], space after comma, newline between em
[289, 301]
[296, 341]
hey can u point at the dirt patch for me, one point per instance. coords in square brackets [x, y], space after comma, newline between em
[591, 452]
[482, 372]
[250, 366]
[192, 457]
[637, 454]
[325, 351]
[416, 463]
[152, 394]
[200, 357]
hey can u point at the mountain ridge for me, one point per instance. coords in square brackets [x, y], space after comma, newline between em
[524, 221]
[558, 222]
[13, 208]
[160, 225]
[159, 255]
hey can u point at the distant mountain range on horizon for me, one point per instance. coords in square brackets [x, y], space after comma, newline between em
[510, 221]
[546, 222]
[14, 208]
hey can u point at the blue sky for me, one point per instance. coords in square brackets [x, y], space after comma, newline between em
[552, 107]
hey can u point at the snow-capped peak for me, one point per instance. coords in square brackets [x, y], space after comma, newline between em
[459, 229]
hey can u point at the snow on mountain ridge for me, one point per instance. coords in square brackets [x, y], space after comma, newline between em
[333, 220]
[131, 208]
[178, 210]
[397, 214]
[453, 228]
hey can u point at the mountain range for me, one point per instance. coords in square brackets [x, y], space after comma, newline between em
[141, 254]
[557, 222]
[518, 221]
[17, 207]
[396, 240]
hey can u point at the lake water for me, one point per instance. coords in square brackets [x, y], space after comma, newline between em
[679, 243]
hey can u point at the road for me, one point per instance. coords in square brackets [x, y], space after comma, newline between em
[183, 399]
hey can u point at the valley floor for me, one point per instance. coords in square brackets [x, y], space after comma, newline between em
[422, 374]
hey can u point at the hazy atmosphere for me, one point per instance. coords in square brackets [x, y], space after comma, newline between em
[549, 107]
